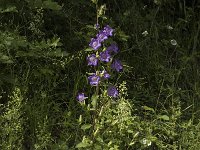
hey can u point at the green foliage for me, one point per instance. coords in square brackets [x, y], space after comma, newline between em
[43, 47]
[12, 122]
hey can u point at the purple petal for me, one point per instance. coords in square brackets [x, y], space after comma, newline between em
[92, 60]
[102, 36]
[108, 30]
[105, 56]
[117, 65]
[95, 44]
[81, 97]
[112, 91]
[94, 80]
[113, 48]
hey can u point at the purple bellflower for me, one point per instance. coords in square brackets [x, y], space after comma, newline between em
[108, 30]
[105, 56]
[94, 79]
[92, 60]
[113, 48]
[81, 97]
[117, 65]
[95, 44]
[101, 36]
[112, 91]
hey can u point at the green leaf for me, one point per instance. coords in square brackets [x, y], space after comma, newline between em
[5, 59]
[9, 9]
[56, 42]
[9, 62]
[164, 117]
[94, 1]
[81, 145]
[94, 100]
[51, 5]
[88, 49]
[148, 108]
[130, 131]
[123, 36]
[86, 126]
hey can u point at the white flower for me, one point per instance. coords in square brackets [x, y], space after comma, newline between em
[145, 6]
[145, 33]
[173, 42]
[146, 142]
[170, 27]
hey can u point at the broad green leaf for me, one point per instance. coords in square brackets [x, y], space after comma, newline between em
[164, 117]
[51, 5]
[130, 131]
[9, 9]
[94, 100]
[148, 108]
[5, 59]
[81, 145]
[86, 126]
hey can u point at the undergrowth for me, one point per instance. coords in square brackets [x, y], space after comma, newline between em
[43, 66]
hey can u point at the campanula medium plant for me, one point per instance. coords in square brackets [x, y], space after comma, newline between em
[102, 62]
[103, 57]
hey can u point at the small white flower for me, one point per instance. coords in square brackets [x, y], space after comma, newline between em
[145, 33]
[173, 42]
[149, 143]
[146, 142]
[145, 6]
[170, 27]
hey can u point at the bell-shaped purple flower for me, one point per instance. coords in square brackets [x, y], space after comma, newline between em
[117, 65]
[95, 44]
[108, 30]
[112, 91]
[92, 60]
[94, 79]
[113, 48]
[105, 56]
[81, 97]
[101, 36]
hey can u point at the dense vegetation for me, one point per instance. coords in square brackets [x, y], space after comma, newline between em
[43, 49]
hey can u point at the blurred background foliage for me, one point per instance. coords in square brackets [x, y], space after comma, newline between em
[42, 63]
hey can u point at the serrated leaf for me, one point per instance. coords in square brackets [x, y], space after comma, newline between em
[86, 126]
[164, 117]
